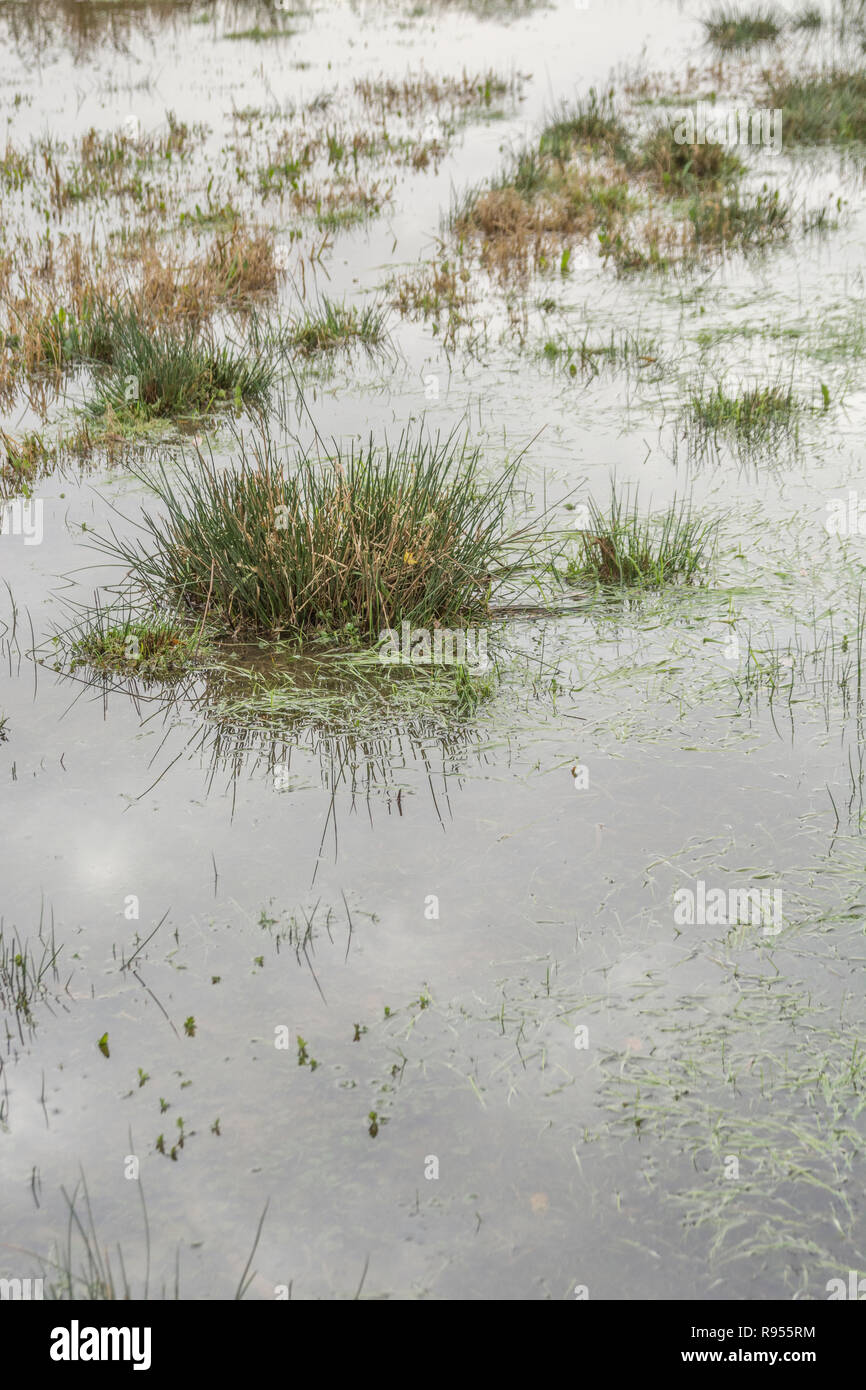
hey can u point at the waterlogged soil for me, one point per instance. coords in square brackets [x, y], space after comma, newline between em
[415, 985]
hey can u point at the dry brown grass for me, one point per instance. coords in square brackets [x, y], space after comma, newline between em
[43, 295]
[230, 273]
[431, 289]
[7, 270]
[518, 232]
[647, 199]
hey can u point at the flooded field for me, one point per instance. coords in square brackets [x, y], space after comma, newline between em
[431, 649]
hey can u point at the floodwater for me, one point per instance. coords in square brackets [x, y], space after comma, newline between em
[573, 1090]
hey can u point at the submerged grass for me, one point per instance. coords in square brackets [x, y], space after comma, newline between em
[24, 972]
[816, 665]
[621, 547]
[258, 35]
[345, 208]
[346, 692]
[441, 292]
[373, 536]
[622, 349]
[779, 1084]
[81, 1268]
[740, 219]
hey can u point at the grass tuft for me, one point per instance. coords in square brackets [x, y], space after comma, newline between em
[728, 29]
[591, 121]
[679, 169]
[739, 219]
[758, 414]
[821, 108]
[334, 326]
[622, 548]
[159, 372]
[149, 646]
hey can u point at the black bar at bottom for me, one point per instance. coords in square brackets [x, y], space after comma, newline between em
[60, 1340]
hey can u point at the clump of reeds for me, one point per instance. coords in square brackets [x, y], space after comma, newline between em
[809, 18]
[371, 536]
